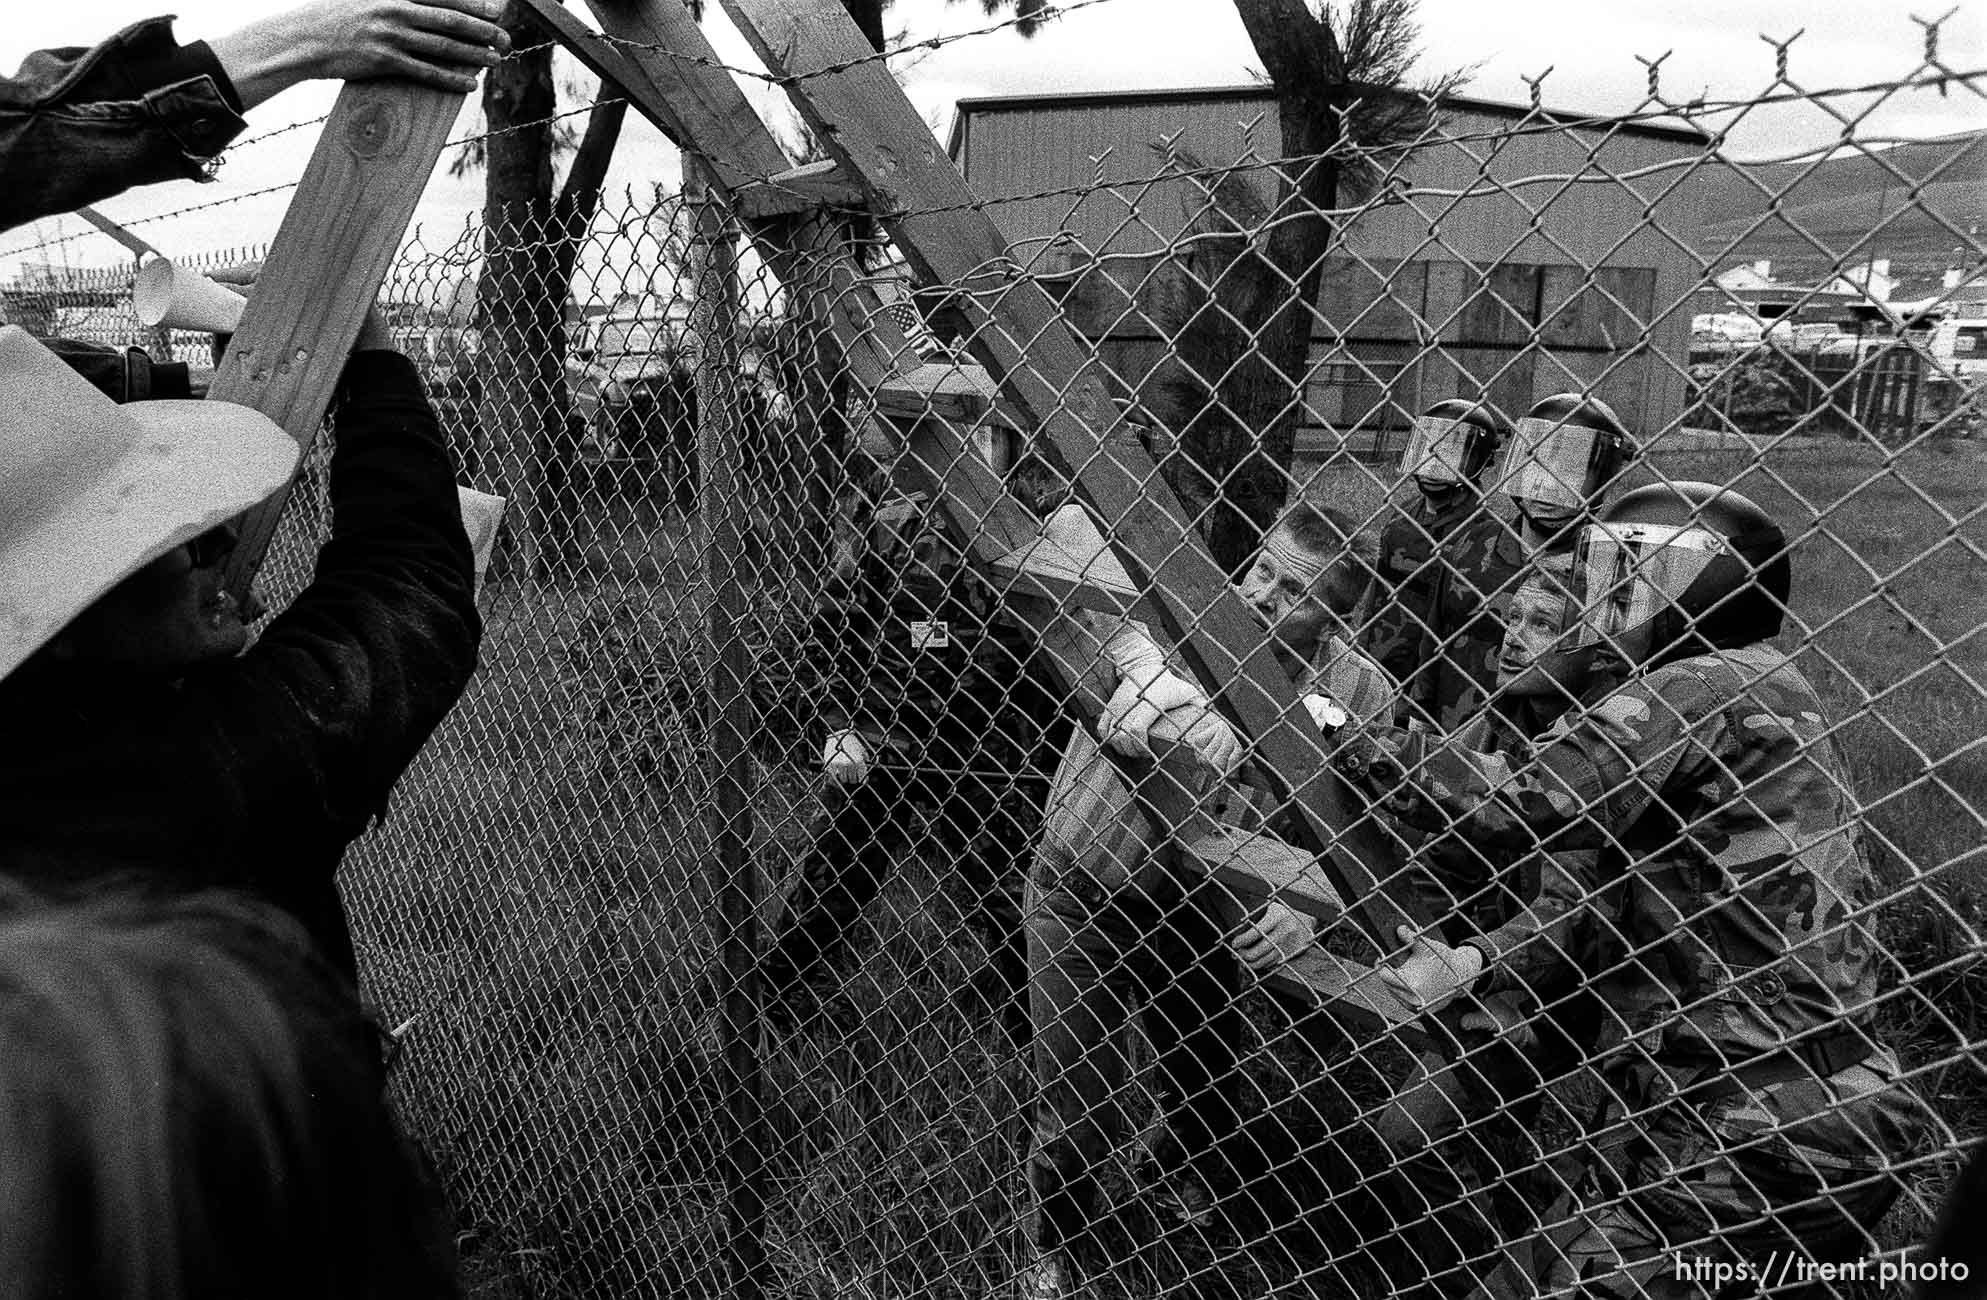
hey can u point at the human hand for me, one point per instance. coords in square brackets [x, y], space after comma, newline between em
[1272, 936]
[1432, 972]
[845, 758]
[373, 335]
[373, 332]
[1140, 700]
[1327, 713]
[442, 44]
[241, 276]
[1501, 1016]
[1214, 742]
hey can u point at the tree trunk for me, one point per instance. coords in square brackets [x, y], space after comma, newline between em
[1246, 346]
[531, 243]
[579, 198]
[573, 210]
[520, 366]
[868, 15]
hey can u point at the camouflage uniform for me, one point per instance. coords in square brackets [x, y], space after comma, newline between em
[1113, 931]
[1476, 573]
[960, 721]
[1401, 600]
[1730, 868]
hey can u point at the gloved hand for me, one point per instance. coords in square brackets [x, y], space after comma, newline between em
[1502, 1016]
[1432, 972]
[1326, 712]
[1138, 703]
[845, 758]
[1272, 936]
[1215, 742]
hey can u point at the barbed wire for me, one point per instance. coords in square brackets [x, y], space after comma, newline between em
[924, 45]
[41, 245]
[249, 141]
[515, 127]
[1547, 123]
[319, 120]
[1552, 123]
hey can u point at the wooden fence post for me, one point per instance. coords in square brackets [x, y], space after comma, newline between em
[721, 506]
[341, 232]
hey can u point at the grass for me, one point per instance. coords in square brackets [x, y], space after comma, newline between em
[541, 904]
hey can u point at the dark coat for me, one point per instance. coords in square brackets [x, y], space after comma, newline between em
[258, 772]
[919, 658]
[79, 125]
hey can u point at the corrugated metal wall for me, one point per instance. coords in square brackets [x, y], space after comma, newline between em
[1536, 257]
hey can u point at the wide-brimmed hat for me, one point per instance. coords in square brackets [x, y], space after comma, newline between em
[91, 492]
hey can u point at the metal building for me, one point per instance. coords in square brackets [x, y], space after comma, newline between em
[1522, 252]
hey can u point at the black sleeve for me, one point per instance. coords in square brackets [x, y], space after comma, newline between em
[369, 659]
[80, 125]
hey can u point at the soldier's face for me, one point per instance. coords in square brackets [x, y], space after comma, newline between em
[1287, 587]
[1537, 657]
[1548, 525]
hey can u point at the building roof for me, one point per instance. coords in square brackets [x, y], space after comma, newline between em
[1665, 129]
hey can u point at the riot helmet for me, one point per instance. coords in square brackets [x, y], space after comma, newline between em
[1452, 443]
[1562, 456]
[1675, 569]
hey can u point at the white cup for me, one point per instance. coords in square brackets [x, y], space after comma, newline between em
[177, 298]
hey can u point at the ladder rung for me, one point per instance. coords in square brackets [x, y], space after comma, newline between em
[1257, 863]
[1040, 569]
[798, 189]
[961, 393]
[1342, 984]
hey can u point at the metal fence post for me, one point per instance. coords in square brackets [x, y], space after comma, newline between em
[721, 505]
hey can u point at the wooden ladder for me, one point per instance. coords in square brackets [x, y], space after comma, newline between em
[381, 143]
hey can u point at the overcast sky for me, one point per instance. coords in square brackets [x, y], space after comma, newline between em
[1714, 49]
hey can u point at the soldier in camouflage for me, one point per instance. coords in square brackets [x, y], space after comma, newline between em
[936, 707]
[1451, 446]
[1727, 896]
[1557, 464]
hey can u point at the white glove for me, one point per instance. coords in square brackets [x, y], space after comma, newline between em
[1215, 742]
[1432, 972]
[845, 758]
[1273, 936]
[1326, 712]
[1138, 703]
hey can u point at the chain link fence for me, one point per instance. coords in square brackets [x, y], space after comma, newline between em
[764, 920]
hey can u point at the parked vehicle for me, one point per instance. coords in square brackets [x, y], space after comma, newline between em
[634, 388]
[1959, 343]
[634, 403]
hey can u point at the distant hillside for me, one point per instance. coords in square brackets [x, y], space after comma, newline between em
[1851, 208]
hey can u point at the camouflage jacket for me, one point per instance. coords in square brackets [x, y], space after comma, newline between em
[1475, 574]
[1401, 598]
[918, 658]
[1481, 887]
[1731, 863]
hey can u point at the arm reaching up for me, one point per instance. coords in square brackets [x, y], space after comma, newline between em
[78, 125]
[439, 43]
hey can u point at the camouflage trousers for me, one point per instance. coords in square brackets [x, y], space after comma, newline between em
[1706, 1207]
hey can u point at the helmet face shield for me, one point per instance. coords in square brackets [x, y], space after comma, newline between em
[1631, 572]
[1552, 462]
[1437, 451]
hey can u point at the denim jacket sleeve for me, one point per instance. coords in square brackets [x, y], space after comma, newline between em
[80, 125]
